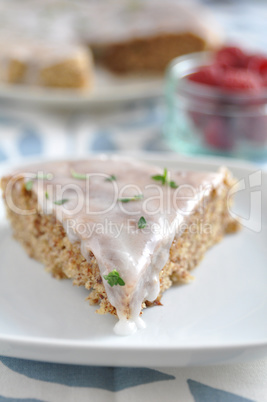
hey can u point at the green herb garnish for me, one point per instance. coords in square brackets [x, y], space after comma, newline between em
[172, 184]
[142, 223]
[111, 178]
[61, 202]
[114, 278]
[28, 185]
[134, 198]
[47, 176]
[78, 176]
[164, 179]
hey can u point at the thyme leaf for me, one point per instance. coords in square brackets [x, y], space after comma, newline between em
[164, 179]
[142, 223]
[78, 176]
[134, 198]
[114, 278]
[28, 185]
[61, 202]
[111, 178]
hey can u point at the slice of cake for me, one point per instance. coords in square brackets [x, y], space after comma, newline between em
[123, 229]
[14, 61]
[137, 35]
[41, 63]
[65, 67]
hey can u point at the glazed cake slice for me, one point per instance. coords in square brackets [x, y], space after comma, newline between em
[45, 64]
[144, 36]
[123, 229]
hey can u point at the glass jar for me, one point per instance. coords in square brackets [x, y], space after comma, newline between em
[201, 119]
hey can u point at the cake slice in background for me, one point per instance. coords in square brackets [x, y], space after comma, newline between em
[137, 36]
[39, 63]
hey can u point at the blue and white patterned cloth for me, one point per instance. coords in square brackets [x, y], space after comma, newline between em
[135, 127]
[23, 380]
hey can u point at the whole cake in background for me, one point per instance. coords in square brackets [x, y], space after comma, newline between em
[49, 42]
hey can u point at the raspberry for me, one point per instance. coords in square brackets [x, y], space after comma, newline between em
[258, 64]
[241, 80]
[230, 56]
[208, 75]
[264, 79]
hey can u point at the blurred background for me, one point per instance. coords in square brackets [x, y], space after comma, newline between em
[94, 76]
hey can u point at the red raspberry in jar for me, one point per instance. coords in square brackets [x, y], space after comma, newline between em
[209, 75]
[258, 64]
[241, 80]
[231, 56]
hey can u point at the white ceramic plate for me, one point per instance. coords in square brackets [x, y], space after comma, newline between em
[218, 318]
[108, 88]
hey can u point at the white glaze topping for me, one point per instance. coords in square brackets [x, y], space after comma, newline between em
[94, 216]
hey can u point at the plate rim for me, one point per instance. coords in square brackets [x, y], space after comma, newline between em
[153, 88]
[153, 157]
